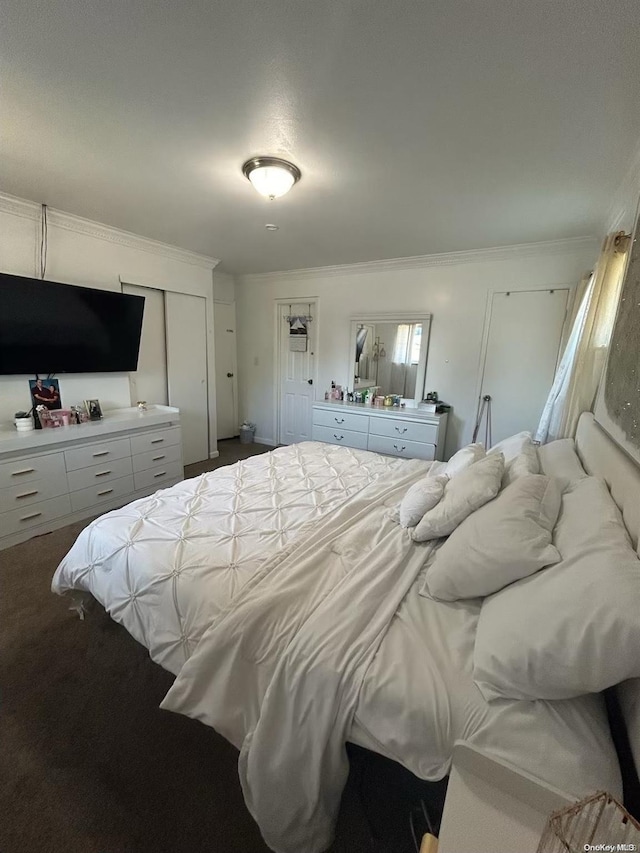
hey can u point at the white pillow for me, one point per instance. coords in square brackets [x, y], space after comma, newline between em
[463, 494]
[505, 540]
[560, 459]
[520, 457]
[420, 498]
[573, 628]
[461, 460]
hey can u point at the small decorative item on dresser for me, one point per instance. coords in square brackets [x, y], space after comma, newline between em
[94, 410]
[23, 421]
[142, 405]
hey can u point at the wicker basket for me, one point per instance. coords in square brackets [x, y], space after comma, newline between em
[597, 820]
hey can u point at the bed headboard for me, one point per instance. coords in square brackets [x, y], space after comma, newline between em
[602, 457]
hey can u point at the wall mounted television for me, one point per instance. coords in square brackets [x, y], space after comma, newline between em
[49, 327]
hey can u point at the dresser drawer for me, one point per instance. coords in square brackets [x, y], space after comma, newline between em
[153, 440]
[110, 469]
[337, 435]
[401, 447]
[26, 494]
[35, 515]
[100, 492]
[158, 475]
[92, 454]
[153, 458]
[406, 430]
[49, 466]
[344, 420]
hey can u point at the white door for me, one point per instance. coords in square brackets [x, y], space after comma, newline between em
[149, 382]
[187, 371]
[226, 369]
[297, 374]
[521, 355]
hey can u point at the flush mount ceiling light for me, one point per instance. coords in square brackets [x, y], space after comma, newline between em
[271, 176]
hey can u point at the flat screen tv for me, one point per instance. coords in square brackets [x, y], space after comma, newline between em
[48, 327]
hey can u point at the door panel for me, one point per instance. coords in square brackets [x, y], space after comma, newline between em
[187, 371]
[226, 369]
[296, 369]
[522, 352]
[149, 382]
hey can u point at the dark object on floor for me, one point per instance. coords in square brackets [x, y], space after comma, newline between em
[393, 800]
[630, 782]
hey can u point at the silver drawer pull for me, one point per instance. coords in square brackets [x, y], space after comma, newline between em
[33, 515]
[157, 458]
[338, 437]
[401, 431]
[339, 420]
[160, 474]
[156, 440]
[102, 453]
[102, 473]
[27, 494]
[104, 492]
[23, 471]
[400, 449]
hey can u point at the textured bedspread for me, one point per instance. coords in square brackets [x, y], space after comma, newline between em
[166, 565]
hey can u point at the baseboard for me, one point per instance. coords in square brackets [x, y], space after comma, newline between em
[269, 441]
[214, 454]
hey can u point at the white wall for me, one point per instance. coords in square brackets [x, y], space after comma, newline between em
[454, 288]
[88, 253]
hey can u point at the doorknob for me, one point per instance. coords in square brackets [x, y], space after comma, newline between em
[310, 381]
[229, 375]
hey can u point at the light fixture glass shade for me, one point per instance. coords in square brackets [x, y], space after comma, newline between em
[270, 176]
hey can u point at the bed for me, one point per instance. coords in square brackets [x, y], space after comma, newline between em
[286, 599]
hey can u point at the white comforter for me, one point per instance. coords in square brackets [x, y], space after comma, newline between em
[322, 638]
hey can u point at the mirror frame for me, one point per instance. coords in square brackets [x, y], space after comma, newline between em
[396, 317]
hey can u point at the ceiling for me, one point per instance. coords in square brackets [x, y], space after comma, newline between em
[420, 126]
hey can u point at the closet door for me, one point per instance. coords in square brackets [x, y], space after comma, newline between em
[149, 382]
[521, 355]
[186, 335]
[224, 314]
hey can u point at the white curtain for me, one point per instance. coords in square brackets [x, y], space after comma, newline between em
[578, 374]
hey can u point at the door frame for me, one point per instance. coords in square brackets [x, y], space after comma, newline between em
[486, 328]
[279, 305]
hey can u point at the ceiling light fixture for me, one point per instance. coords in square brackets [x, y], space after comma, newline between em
[271, 176]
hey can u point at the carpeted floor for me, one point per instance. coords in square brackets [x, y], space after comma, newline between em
[88, 762]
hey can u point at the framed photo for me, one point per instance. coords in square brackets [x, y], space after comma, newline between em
[45, 392]
[93, 409]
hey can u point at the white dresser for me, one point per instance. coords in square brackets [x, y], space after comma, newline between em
[395, 432]
[53, 477]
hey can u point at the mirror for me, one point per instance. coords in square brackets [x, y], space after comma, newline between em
[390, 353]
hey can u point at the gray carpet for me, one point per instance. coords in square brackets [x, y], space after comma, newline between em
[88, 762]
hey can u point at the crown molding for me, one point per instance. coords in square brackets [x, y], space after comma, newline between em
[70, 222]
[497, 253]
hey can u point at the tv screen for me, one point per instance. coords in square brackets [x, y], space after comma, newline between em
[48, 327]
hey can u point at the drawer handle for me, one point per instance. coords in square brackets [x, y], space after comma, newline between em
[156, 440]
[102, 453]
[102, 473]
[339, 420]
[23, 471]
[33, 515]
[157, 458]
[104, 492]
[400, 449]
[338, 437]
[160, 474]
[401, 431]
[27, 494]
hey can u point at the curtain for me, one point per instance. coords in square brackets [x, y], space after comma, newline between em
[578, 374]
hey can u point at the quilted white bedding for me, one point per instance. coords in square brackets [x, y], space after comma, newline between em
[286, 601]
